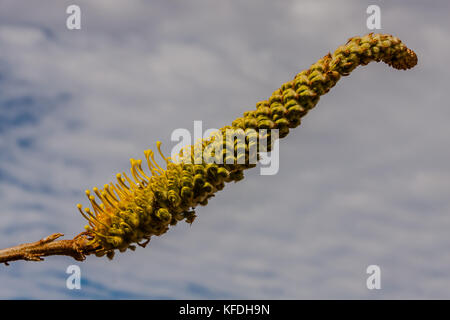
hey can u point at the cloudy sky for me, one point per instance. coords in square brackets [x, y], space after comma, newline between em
[365, 180]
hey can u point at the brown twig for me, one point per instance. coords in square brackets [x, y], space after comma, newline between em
[76, 248]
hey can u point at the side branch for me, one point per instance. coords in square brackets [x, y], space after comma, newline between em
[76, 248]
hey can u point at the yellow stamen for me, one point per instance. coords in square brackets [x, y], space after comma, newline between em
[139, 168]
[98, 194]
[111, 194]
[111, 204]
[95, 205]
[132, 184]
[158, 145]
[80, 207]
[88, 211]
[122, 193]
[120, 179]
[151, 166]
[134, 172]
[100, 235]
[152, 155]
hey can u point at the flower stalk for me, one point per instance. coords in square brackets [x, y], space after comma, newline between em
[147, 203]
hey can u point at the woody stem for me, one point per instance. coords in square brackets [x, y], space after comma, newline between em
[76, 248]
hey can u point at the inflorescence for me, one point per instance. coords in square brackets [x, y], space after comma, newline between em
[140, 205]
